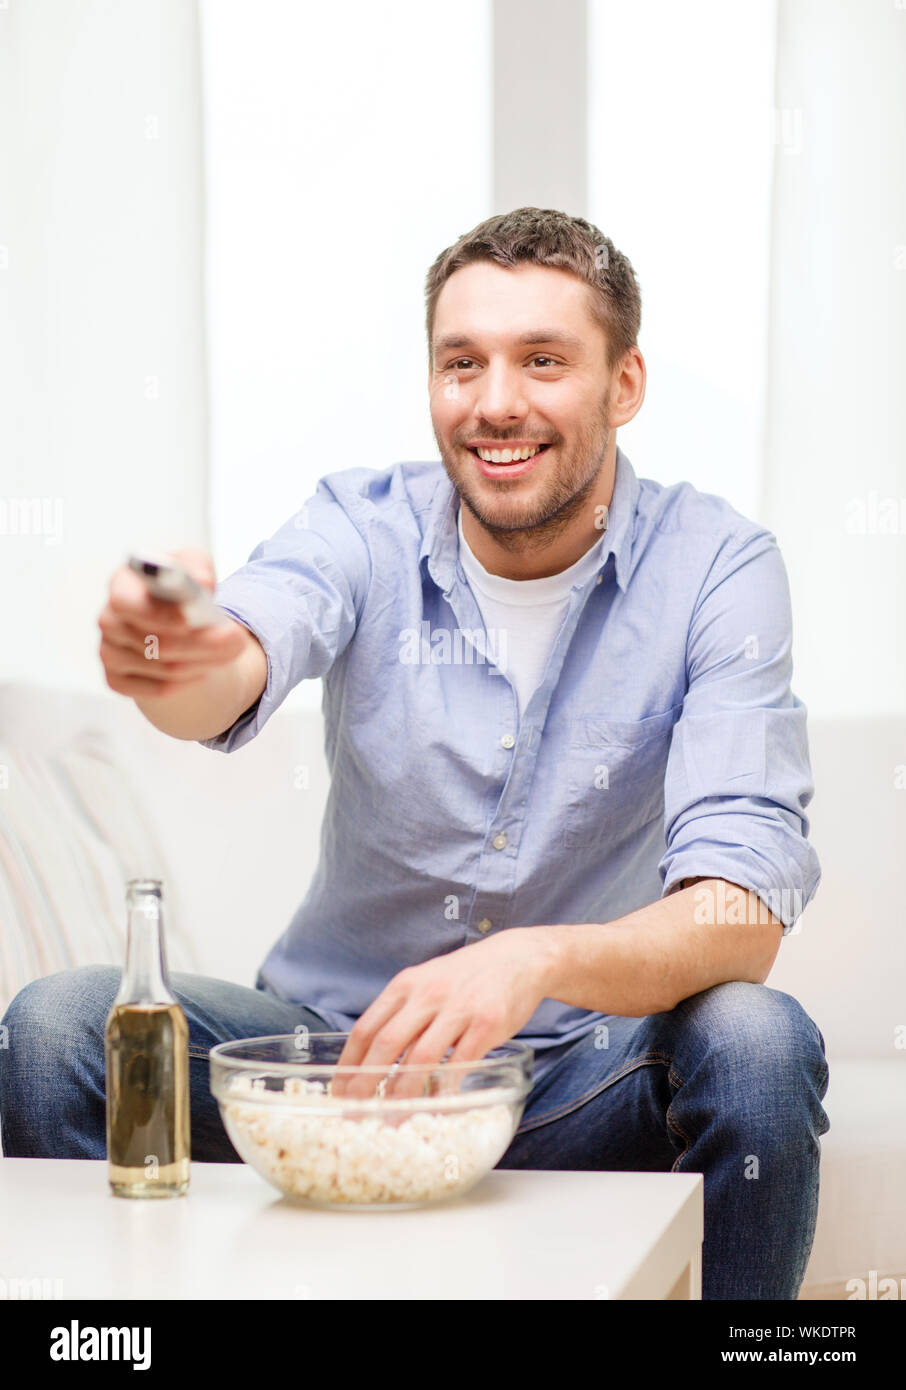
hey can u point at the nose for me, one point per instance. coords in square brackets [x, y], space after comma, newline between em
[501, 395]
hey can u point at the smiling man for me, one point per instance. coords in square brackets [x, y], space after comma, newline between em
[569, 774]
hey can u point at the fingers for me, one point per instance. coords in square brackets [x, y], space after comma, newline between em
[423, 1059]
[427, 1053]
[198, 564]
[125, 661]
[475, 1043]
[410, 1030]
[147, 646]
[207, 646]
[130, 601]
[133, 668]
[139, 687]
[360, 1048]
[418, 1019]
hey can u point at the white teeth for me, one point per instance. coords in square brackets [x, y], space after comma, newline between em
[506, 455]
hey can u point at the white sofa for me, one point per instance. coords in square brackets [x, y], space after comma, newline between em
[96, 795]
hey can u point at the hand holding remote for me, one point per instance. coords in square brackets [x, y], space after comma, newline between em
[153, 646]
[174, 583]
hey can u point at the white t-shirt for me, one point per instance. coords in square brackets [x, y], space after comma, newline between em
[528, 611]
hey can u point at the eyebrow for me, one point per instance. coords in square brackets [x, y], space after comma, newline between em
[535, 336]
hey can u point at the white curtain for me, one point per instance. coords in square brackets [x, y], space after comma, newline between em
[680, 154]
[345, 146]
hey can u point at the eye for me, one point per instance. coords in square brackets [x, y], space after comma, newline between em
[468, 362]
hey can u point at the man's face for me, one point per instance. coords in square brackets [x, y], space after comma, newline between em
[518, 360]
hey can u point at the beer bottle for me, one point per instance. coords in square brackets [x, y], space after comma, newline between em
[147, 1059]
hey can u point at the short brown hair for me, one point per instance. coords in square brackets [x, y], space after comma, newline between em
[545, 236]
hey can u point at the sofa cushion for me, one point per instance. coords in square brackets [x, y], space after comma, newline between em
[862, 1199]
[73, 830]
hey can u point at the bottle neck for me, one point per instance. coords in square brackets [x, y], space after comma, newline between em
[145, 977]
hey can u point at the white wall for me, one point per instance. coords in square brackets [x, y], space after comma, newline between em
[835, 458]
[102, 431]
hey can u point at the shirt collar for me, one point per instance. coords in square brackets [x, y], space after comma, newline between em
[440, 542]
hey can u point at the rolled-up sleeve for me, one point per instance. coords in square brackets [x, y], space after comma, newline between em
[738, 777]
[300, 593]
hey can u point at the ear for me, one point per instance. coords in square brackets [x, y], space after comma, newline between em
[627, 387]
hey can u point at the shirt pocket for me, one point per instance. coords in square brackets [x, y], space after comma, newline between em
[615, 774]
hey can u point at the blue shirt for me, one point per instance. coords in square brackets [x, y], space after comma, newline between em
[664, 741]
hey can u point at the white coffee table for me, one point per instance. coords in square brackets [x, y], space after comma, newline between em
[518, 1235]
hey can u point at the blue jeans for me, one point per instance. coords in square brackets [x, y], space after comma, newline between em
[728, 1084]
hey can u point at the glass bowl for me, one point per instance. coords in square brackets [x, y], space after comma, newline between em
[407, 1136]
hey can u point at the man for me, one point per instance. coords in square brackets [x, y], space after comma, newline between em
[569, 775]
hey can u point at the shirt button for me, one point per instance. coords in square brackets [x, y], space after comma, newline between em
[485, 925]
[500, 841]
[507, 741]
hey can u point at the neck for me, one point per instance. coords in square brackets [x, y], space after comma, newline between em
[551, 547]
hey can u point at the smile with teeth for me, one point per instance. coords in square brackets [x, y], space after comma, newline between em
[508, 455]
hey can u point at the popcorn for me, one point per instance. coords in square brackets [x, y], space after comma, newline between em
[374, 1158]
